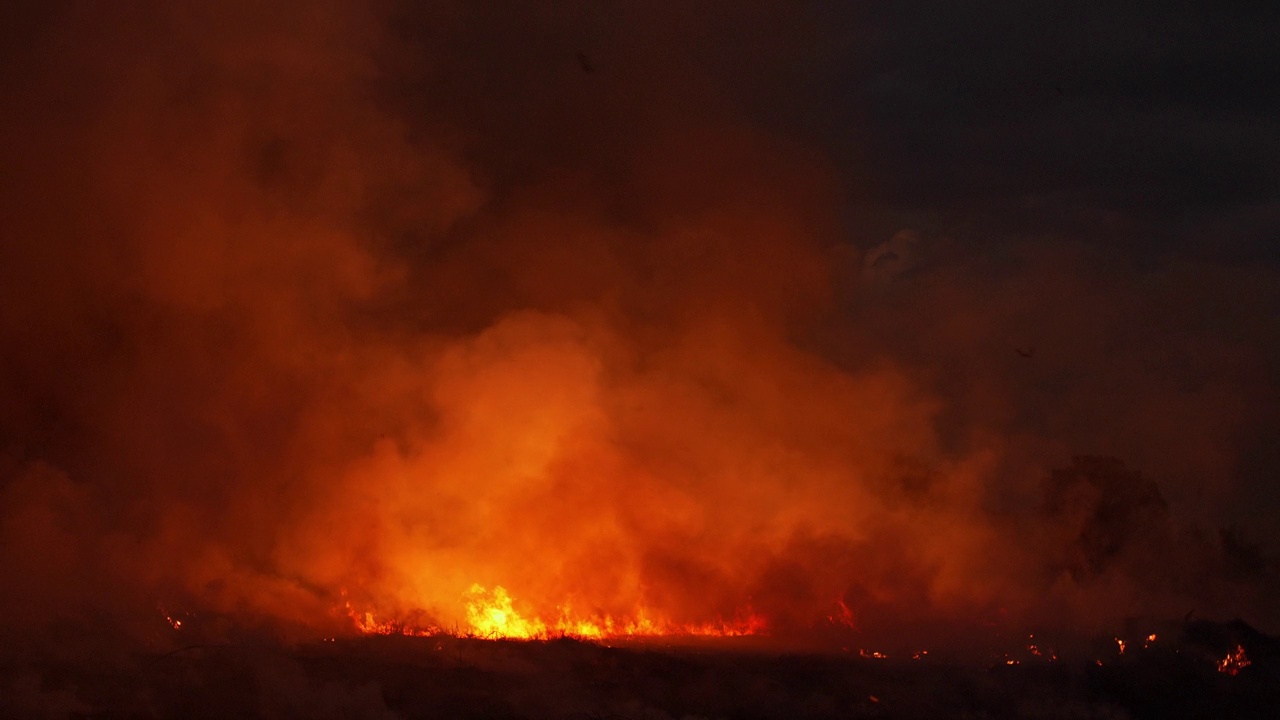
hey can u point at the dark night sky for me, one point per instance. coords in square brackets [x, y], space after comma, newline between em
[1149, 129]
[899, 260]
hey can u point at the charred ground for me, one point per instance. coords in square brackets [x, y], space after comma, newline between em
[451, 677]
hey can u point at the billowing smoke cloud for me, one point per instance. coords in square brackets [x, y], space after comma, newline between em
[309, 310]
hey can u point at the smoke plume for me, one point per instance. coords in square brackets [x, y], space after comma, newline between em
[305, 311]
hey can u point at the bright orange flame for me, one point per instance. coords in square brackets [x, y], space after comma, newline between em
[1121, 644]
[492, 614]
[1234, 662]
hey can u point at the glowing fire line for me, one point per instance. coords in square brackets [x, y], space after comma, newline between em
[490, 614]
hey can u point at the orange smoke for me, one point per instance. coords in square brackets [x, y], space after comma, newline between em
[316, 325]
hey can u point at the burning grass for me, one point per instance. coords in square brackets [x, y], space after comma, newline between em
[492, 615]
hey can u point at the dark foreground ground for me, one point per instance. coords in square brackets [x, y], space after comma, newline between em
[402, 677]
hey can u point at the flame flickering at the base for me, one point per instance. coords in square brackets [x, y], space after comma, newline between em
[1234, 662]
[490, 614]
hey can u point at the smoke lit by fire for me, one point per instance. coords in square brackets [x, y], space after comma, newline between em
[301, 329]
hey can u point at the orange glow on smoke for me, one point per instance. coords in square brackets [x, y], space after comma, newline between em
[843, 615]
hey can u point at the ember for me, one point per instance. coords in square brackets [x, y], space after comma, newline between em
[1234, 662]
[174, 619]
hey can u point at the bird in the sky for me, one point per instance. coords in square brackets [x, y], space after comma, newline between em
[585, 63]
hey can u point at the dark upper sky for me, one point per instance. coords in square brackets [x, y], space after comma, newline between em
[1144, 125]
[1147, 126]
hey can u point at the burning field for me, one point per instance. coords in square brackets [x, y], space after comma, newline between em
[620, 361]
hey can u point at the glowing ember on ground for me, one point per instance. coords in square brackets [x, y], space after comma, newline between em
[1120, 644]
[1234, 662]
[174, 619]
